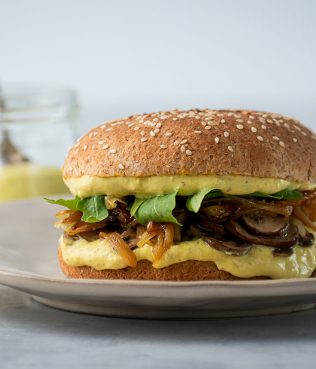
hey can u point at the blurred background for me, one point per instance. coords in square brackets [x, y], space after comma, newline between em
[123, 57]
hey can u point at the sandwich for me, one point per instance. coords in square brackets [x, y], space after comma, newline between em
[189, 196]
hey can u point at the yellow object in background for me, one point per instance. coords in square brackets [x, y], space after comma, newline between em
[27, 180]
[37, 126]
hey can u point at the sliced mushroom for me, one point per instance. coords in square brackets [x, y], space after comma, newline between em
[265, 224]
[286, 240]
[228, 247]
[283, 251]
[307, 240]
[205, 225]
[218, 213]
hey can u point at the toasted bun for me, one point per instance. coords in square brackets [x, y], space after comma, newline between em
[184, 271]
[197, 142]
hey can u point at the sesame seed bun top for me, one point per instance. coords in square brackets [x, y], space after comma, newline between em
[197, 142]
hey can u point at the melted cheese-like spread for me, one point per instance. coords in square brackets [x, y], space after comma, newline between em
[258, 262]
[86, 186]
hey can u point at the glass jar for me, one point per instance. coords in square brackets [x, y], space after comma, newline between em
[37, 126]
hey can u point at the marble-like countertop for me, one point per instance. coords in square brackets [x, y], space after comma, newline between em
[37, 337]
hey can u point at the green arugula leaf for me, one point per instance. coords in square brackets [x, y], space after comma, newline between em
[286, 194]
[71, 204]
[157, 209]
[194, 202]
[93, 209]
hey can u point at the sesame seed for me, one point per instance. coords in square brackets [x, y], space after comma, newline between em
[249, 122]
[182, 148]
[76, 145]
[216, 139]
[239, 126]
[263, 126]
[294, 139]
[198, 132]
[223, 121]
[156, 130]
[101, 142]
[277, 123]
[253, 129]
[163, 146]
[281, 143]
[168, 134]
[142, 133]
[152, 133]
[106, 146]
[226, 134]
[240, 120]
[174, 118]
[197, 117]
[76, 151]
[209, 118]
[121, 166]
[103, 126]
[208, 127]
[304, 133]
[108, 129]
[143, 139]
[270, 121]
[148, 122]
[204, 124]
[136, 128]
[158, 125]
[230, 148]
[155, 120]
[176, 142]
[251, 117]
[188, 152]
[276, 138]
[183, 142]
[113, 151]
[286, 126]
[130, 125]
[90, 134]
[297, 127]
[259, 138]
[85, 147]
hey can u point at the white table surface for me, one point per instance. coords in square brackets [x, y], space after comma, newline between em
[37, 337]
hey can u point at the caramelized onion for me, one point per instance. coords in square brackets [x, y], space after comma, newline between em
[303, 217]
[120, 246]
[75, 216]
[164, 240]
[245, 205]
[145, 238]
[85, 227]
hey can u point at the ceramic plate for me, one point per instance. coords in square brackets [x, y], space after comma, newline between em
[28, 262]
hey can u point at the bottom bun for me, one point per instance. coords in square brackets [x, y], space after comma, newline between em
[185, 271]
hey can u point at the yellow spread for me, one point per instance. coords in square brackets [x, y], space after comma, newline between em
[86, 186]
[29, 180]
[258, 262]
